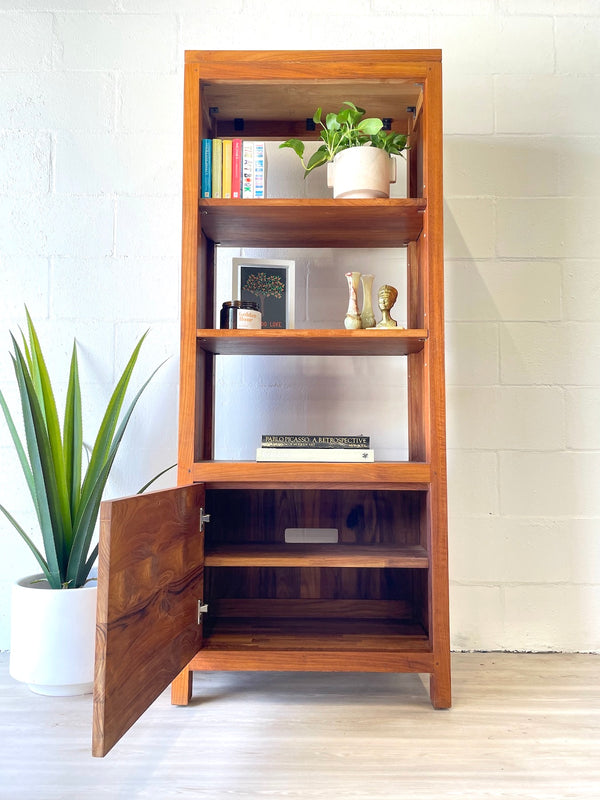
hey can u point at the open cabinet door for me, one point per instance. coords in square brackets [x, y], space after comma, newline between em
[150, 579]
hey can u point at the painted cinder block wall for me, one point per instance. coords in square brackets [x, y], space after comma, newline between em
[90, 178]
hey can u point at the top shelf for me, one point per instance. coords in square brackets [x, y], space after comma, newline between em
[313, 223]
[290, 85]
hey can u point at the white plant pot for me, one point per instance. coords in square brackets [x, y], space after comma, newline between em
[52, 636]
[361, 172]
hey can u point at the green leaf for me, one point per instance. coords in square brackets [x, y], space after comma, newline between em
[317, 116]
[85, 527]
[73, 435]
[40, 457]
[19, 448]
[296, 145]
[332, 123]
[66, 559]
[90, 500]
[90, 563]
[102, 445]
[155, 478]
[38, 556]
[33, 371]
[52, 429]
[370, 126]
[319, 157]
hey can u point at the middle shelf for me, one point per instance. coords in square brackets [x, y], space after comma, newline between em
[313, 223]
[387, 342]
[376, 556]
[393, 475]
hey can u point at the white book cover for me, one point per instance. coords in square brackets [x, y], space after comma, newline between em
[312, 454]
[260, 171]
[247, 170]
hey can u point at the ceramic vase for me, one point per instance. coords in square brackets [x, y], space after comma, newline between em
[352, 318]
[361, 172]
[53, 636]
[367, 317]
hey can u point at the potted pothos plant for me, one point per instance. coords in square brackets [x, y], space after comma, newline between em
[53, 612]
[356, 150]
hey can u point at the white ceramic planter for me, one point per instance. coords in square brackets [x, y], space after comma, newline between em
[361, 172]
[52, 636]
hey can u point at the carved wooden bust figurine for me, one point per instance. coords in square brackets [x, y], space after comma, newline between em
[386, 297]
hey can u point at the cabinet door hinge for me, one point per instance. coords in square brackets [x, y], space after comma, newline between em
[202, 609]
[203, 518]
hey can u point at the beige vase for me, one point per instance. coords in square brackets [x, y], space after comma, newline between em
[361, 172]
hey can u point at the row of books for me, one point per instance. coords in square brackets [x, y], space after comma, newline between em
[309, 447]
[233, 168]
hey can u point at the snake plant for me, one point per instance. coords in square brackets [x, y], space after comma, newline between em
[66, 492]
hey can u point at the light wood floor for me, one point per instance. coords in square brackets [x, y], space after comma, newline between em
[522, 726]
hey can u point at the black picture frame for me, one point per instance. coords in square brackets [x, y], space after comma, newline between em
[270, 283]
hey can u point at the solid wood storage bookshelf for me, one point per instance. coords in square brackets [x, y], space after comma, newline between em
[177, 594]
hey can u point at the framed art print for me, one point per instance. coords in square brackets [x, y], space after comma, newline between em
[270, 283]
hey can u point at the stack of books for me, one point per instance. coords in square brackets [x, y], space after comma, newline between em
[233, 168]
[308, 447]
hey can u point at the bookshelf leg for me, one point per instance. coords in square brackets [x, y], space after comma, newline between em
[181, 688]
[440, 690]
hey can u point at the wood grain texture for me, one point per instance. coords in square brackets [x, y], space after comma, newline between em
[390, 342]
[280, 89]
[292, 644]
[312, 223]
[150, 577]
[393, 475]
[364, 516]
[304, 608]
[326, 555]
[182, 687]
[193, 271]
[439, 627]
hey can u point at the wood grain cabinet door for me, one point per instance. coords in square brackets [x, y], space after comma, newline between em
[150, 579]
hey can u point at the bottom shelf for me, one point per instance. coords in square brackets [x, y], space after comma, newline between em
[314, 634]
[339, 645]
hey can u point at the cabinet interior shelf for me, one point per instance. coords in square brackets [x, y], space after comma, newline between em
[376, 556]
[386, 342]
[313, 223]
[299, 635]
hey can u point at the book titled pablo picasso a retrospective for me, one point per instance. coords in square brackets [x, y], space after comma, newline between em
[322, 442]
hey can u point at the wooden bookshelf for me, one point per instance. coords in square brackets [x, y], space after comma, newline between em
[199, 577]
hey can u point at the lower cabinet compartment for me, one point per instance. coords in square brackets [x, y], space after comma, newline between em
[361, 593]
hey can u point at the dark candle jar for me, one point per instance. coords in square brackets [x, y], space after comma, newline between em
[240, 315]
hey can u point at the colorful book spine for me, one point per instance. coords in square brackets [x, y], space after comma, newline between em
[290, 440]
[337, 454]
[247, 170]
[236, 169]
[226, 180]
[260, 173]
[217, 167]
[206, 180]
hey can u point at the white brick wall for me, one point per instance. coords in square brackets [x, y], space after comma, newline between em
[90, 166]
